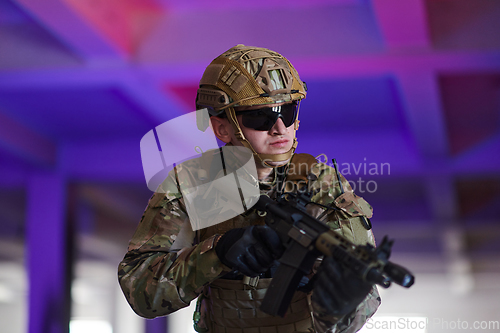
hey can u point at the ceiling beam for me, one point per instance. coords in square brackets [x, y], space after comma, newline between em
[376, 64]
[120, 160]
[228, 5]
[109, 161]
[158, 105]
[482, 156]
[146, 91]
[72, 29]
[309, 68]
[424, 113]
[25, 143]
[342, 66]
[402, 23]
[68, 77]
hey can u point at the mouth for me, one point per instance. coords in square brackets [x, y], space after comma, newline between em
[279, 143]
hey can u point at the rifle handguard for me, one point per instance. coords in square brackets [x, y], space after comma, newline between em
[307, 238]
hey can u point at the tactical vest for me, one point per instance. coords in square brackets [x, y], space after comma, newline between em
[232, 306]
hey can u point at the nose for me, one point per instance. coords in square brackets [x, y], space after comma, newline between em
[278, 128]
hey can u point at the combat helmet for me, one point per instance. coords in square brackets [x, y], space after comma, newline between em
[247, 76]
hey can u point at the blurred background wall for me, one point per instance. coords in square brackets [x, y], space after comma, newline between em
[405, 94]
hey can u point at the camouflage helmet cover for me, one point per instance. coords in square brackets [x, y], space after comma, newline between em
[245, 76]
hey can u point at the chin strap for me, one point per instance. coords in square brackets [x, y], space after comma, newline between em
[285, 157]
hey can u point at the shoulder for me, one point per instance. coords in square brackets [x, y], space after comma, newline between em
[305, 167]
[328, 185]
[183, 177]
[301, 166]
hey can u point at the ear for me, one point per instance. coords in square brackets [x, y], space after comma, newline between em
[222, 129]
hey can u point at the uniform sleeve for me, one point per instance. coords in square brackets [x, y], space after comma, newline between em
[164, 269]
[349, 222]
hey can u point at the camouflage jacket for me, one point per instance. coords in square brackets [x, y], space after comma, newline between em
[168, 265]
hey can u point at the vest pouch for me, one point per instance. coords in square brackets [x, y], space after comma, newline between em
[356, 227]
[353, 205]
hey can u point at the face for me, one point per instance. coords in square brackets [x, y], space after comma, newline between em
[269, 138]
[277, 140]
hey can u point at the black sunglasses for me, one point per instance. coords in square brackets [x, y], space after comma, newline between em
[263, 119]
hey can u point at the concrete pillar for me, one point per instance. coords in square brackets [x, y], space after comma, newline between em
[48, 255]
[157, 325]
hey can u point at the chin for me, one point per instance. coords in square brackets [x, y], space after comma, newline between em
[280, 150]
[277, 163]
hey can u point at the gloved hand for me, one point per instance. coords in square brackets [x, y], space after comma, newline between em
[251, 250]
[337, 290]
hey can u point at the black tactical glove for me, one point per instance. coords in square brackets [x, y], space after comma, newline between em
[337, 290]
[250, 250]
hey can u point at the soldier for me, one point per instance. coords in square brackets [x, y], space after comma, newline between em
[253, 96]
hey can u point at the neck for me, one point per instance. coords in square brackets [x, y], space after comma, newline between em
[263, 172]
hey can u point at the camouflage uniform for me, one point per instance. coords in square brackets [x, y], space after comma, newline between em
[168, 265]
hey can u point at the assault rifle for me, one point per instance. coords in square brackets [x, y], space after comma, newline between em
[306, 238]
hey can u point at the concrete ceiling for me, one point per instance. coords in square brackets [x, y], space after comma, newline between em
[414, 84]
